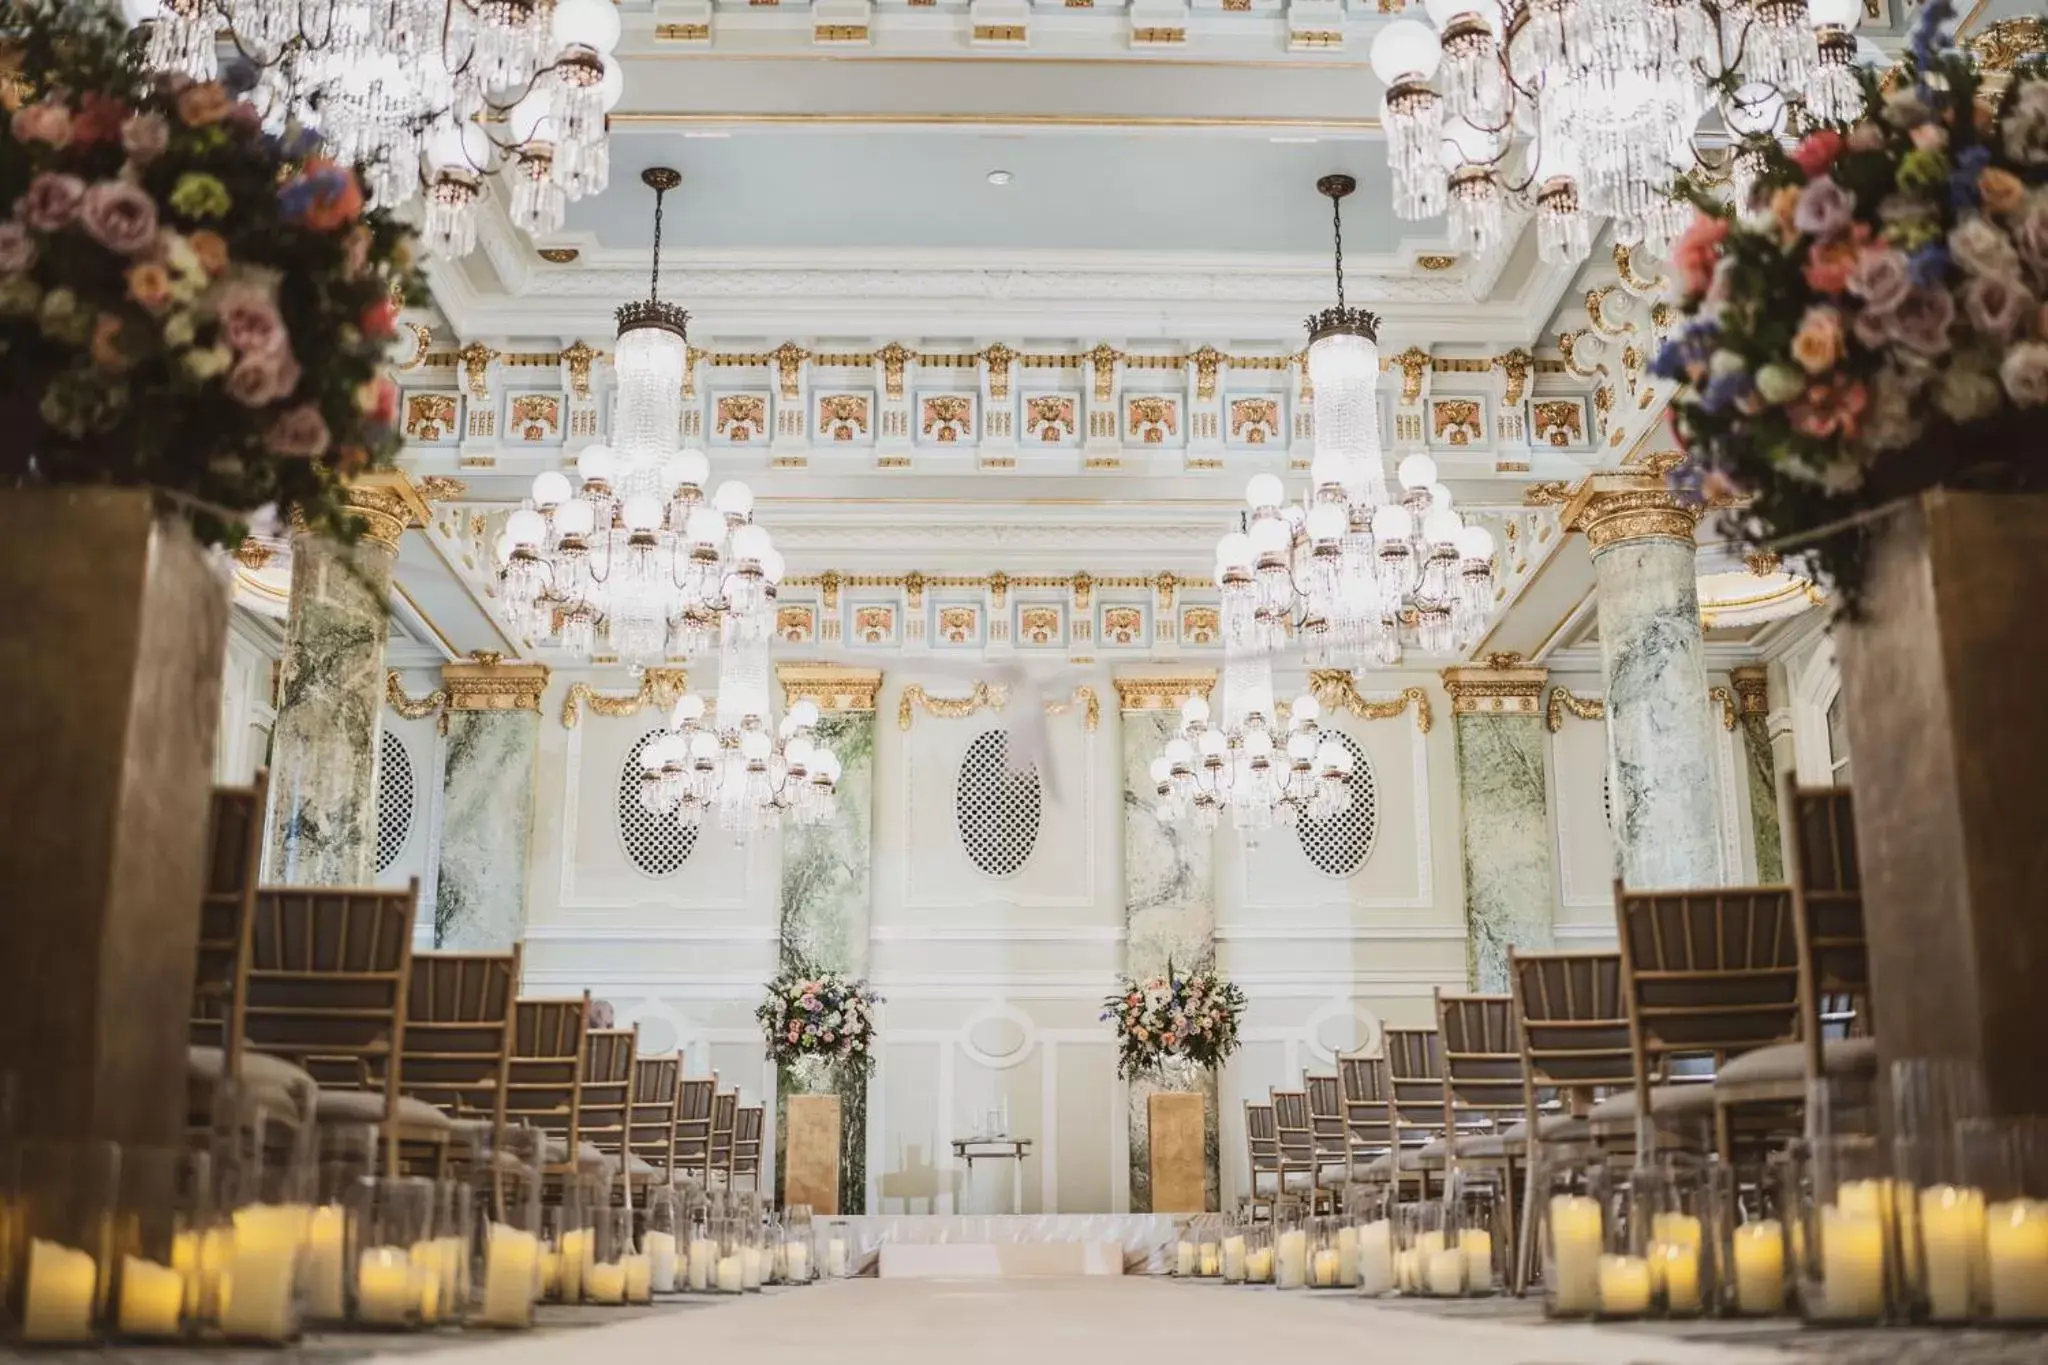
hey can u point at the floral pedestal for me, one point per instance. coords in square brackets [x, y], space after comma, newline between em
[817, 1076]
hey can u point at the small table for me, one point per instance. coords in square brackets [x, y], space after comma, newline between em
[970, 1150]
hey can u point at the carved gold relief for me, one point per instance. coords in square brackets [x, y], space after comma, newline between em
[1162, 693]
[430, 416]
[740, 417]
[1208, 363]
[1200, 625]
[1561, 422]
[1050, 416]
[789, 367]
[1038, 625]
[1336, 689]
[1752, 689]
[1413, 364]
[1151, 418]
[949, 418]
[1562, 700]
[1550, 493]
[659, 688]
[795, 625]
[874, 625]
[894, 357]
[578, 358]
[998, 358]
[959, 625]
[536, 416]
[476, 361]
[413, 708]
[1123, 625]
[1515, 366]
[830, 686]
[1455, 421]
[844, 416]
[1104, 358]
[1254, 421]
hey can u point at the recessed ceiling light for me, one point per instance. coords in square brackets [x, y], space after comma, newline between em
[998, 177]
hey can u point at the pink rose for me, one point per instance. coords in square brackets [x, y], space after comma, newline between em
[17, 249]
[1697, 250]
[51, 202]
[263, 378]
[144, 137]
[1818, 151]
[300, 431]
[1818, 344]
[249, 320]
[2030, 235]
[1921, 323]
[1866, 137]
[1825, 208]
[43, 121]
[1881, 278]
[1929, 137]
[119, 216]
[1996, 306]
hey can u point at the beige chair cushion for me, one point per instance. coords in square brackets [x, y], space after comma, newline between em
[1555, 1128]
[1842, 1057]
[367, 1106]
[1666, 1102]
[282, 1090]
[1411, 1161]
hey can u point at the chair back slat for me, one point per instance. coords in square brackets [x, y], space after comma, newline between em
[1261, 1138]
[607, 1087]
[458, 1031]
[220, 981]
[724, 1107]
[1366, 1118]
[746, 1144]
[1293, 1127]
[1834, 956]
[1482, 1057]
[693, 1124]
[1574, 1019]
[1710, 972]
[546, 1068]
[1326, 1115]
[653, 1130]
[327, 973]
[1415, 1082]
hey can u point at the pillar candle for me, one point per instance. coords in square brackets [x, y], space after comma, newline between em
[639, 1277]
[386, 1294]
[1258, 1265]
[836, 1258]
[605, 1283]
[2016, 1259]
[1184, 1260]
[1290, 1259]
[1760, 1267]
[510, 1258]
[260, 1274]
[731, 1277]
[1323, 1268]
[1952, 1234]
[1444, 1273]
[1233, 1258]
[550, 1271]
[750, 1267]
[1852, 1263]
[1376, 1257]
[326, 1264]
[1212, 1260]
[799, 1255]
[1676, 1267]
[57, 1303]
[152, 1296]
[703, 1262]
[1347, 1256]
[577, 1249]
[661, 1260]
[1574, 1254]
[1477, 1246]
[427, 1280]
[1624, 1286]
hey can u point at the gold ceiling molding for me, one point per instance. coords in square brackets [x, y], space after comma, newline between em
[559, 255]
[1336, 689]
[476, 361]
[414, 708]
[387, 502]
[435, 488]
[1162, 692]
[658, 687]
[986, 696]
[1625, 264]
[1752, 689]
[1722, 695]
[1612, 508]
[914, 584]
[1562, 700]
[485, 682]
[422, 342]
[829, 686]
[1503, 686]
[2004, 44]
[1551, 493]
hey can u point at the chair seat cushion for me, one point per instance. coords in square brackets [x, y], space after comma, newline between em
[258, 1069]
[1840, 1057]
[1490, 1145]
[367, 1106]
[1554, 1128]
[1666, 1102]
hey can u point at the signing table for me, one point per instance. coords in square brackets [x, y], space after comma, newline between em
[971, 1150]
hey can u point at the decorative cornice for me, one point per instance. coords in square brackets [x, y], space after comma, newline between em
[1562, 700]
[413, 708]
[486, 683]
[1752, 689]
[831, 687]
[435, 488]
[2001, 45]
[1336, 689]
[1612, 508]
[1553, 493]
[1502, 686]
[1162, 692]
[658, 687]
[988, 696]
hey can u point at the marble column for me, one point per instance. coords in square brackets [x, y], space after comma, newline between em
[1659, 728]
[493, 720]
[828, 899]
[1753, 709]
[1169, 902]
[1504, 795]
[323, 753]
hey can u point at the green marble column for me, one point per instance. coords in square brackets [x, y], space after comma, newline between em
[323, 765]
[1504, 800]
[828, 899]
[1169, 902]
[493, 720]
[1753, 698]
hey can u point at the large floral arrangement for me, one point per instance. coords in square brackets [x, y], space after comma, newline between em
[188, 303]
[1184, 1016]
[1873, 321]
[822, 1016]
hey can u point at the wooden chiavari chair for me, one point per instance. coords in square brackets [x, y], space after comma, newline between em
[1484, 1101]
[1295, 1133]
[1326, 1123]
[725, 1107]
[606, 1104]
[746, 1148]
[1417, 1102]
[693, 1126]
[546, 1072]
[651, 1134]
[328, 970]
[459, 1038]
[1707, 974]
[1834, 1016]
[1368, 1132]
[1262, 1157]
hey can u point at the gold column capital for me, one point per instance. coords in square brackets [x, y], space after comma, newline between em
[484, 682]
[1162, 692]
[1502, 686]
[387, 502]
[1752, 689]
[1612, 508]
[832, 687]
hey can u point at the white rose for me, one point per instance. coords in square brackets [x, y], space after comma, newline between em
[1982, 248]
[2025, 373]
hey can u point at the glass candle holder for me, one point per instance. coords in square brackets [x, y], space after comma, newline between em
[774, 1260]
[1369, 1210]
[397, 1267]
[1258, 1253]
[1475, 1214]
[1845, 1234]
[662, 1240]
[1290, 1246]
[269, 1192]
[1209, 1246]
[604, 1278]
[1187, 1251]
[700, 1250]
[584, 1200]
[515, 1244]
[446, 1255]
[163, 1205]
[1325, 1256]
[1233, 1252]
[1427, 1261]
[837, 1248]
[1571, 1208]
[798, 1233]
[2003, 1159]
[733, 1241]
[1754, 1256]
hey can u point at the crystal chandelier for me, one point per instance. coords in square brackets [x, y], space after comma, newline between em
[1353, 571]
[1262, 772]
[637, 552]
[734, 759]
[1608, 96]
[411, 90]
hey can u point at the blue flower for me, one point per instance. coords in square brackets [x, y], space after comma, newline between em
[1726, 389]
[1929, 35]
[1929, 265]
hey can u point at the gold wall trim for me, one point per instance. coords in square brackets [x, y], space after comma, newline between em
[1336, 689]
[1562, 700]
[833, 688]
[1085, 698]
[1752, 689]
[414, 708]
[1718, 693]
[1162, 692]
[486, 683]
[1495, 691]
[658, 687]
[1020, 120]
[986, 696]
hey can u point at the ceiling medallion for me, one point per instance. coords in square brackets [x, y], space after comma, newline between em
[559, 255]
[1435, 262]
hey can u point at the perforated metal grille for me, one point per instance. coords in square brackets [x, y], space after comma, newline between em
[656, 844]
[1339, 846]
[395, 803]
[1607, 799]
[998, 810]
